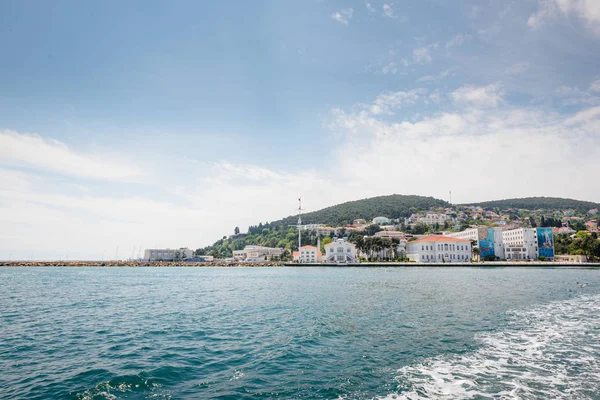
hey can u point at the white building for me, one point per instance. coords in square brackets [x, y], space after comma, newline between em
[381, 220]
[434, 218]
[340, 251]
[520, 244]
[257, 253]
[167, 254]
[488, 240]
[438, 248]
[528, 243]
[307, 255]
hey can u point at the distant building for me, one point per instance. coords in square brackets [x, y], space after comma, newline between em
[528, 243]
[565, 230]
[167, 254]
[359, 221]
[434, 218]
[257, 253]
[340, 251]
[592, 225]
[391, 234]
[571, 258]
[307, 255]
[488, 240]
[439, 248]
[382, 221]
[593, 211]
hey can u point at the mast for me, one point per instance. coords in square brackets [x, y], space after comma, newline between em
[299, 223]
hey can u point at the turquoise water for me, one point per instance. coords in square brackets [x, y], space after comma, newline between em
[299, 333]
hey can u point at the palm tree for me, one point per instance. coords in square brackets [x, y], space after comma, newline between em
[476, 253]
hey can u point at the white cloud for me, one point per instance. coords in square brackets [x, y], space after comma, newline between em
[387, 102]
[433, 78]
[498, 153]
[457, 40]
[369, 6]
[388, 10]
[33, 151]
[435, 96]
[390, 68]
[343, 16]
[575, 96]
[422, 55]
[587, 10]
[478, 96]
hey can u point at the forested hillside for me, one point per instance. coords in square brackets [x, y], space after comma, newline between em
[393, 206]
[535, 203]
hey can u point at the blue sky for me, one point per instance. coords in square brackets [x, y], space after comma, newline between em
[152, 123]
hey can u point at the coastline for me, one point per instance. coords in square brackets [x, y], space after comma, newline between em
[134, 264]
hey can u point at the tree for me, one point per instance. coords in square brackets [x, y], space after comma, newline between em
[476, 253]
[577, 225]
[420, 228]
[236, 231]
[372, 229]
[325, 241]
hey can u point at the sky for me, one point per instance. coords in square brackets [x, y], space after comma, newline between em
[146, 124]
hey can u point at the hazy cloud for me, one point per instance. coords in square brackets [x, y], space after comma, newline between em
[457, 40]
[478, 96]
[587, 10]
[388, 10]
[343, 16]
[33, 151]
[422, 55]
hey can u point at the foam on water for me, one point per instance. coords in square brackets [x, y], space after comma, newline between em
[547, 352]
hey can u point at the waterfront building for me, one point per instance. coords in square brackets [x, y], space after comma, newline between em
[307, 255]
[528, 243]
[571, 258]
[340, 251]
[487, 240]
[257, 253]
[167, 254]
[439, 248]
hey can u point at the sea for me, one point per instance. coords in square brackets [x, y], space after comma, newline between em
[299, 333]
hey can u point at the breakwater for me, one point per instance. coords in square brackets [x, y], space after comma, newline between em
[544, 264]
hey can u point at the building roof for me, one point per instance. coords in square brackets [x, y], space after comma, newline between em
[308, 247]
[439, 238]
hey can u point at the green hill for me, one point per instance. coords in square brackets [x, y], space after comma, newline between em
[536, 203]
[392, 206]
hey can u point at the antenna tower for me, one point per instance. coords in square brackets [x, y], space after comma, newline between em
[299, 223]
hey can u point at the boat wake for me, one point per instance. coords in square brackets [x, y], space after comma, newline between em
[548, 352]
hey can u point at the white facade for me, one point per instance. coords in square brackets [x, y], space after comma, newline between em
[381, 220]
[340, 251]
[167, 254]
[307, 255]
[257, 253]
[520, 244]
[438, 248]
[432, 219]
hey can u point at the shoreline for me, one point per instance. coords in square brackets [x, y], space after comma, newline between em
[136, 264]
